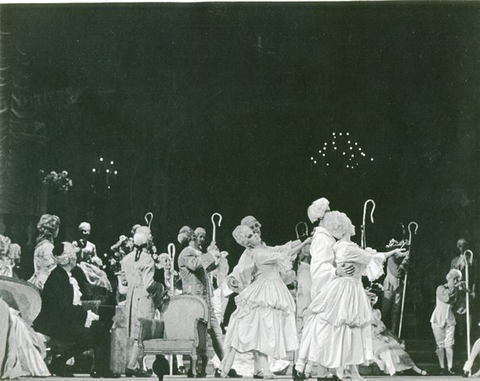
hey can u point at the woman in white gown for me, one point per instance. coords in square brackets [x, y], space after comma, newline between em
[338, 330]
[43, 260]
[264, 321]
[22, 350]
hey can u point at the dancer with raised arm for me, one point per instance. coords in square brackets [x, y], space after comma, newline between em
[264, 321]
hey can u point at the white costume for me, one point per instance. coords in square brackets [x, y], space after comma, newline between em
[338, 329]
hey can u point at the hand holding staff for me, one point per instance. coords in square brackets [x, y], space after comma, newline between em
[406, 275]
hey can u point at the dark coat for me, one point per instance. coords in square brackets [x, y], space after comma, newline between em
[57, 305]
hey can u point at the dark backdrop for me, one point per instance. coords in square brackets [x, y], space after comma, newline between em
[220, 107]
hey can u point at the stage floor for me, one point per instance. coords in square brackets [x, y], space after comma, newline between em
[81, 377]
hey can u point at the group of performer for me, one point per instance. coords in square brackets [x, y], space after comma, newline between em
[304, 297]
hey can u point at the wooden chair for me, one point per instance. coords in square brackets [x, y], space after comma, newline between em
[182, 330]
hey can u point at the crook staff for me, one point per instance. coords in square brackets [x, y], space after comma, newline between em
[410, 234]
[467, 299]
[148, 219]
[364, 235]
[214, 225]
[305, 230]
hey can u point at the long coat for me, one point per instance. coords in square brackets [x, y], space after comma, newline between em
[57, 305]
[138, 272]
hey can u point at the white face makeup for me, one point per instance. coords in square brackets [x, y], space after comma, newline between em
[252, 238]
[255, 226]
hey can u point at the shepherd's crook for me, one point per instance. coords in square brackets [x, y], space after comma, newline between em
[468, 263]
[404, 292]
[301, 223]
[214, 234]
[364, 235]
[171, 253]
[149, 219]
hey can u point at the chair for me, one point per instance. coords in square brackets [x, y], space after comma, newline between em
[182, 331]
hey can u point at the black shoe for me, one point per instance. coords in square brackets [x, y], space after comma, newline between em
[59, 368]
[218, 373]
[201, 375]
[298, 376]
[137, 372]
[258, 376]
[104, 374]
[450, 372]
[233, 374]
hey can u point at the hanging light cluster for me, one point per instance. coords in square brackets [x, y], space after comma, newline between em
[104, 175]
[342, 151]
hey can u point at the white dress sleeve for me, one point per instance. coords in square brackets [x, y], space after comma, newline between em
[322, 268]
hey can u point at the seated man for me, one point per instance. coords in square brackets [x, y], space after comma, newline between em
[63, 318]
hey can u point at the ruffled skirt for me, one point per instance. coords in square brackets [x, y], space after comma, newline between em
[264, 320]
[25, 350]
[337, 330]
[390, 355]
[95, 276]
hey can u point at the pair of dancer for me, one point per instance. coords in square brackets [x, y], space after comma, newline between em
[337, 332]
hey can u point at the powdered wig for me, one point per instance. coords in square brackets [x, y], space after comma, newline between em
[240, 234]
[63, 257]
[85, 226]
[200, 230]
[337, 223]
[185, 235]
[47, 225]
[248, 220]
[142, 236]
[454, 273]
[4, 246]
[162, 257]
[15, 252]
[318, 208]
[462, 242]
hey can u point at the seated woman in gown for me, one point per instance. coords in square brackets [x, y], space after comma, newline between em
[48, 227]
[22, 350]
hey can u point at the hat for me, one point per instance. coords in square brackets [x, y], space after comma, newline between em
[84, 226]
[141, 236]
[248, 220]
[240, 234]
[318, 208]
[337, 223]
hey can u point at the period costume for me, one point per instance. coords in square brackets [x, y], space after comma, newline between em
[63, 318]
[265, 317]
[43, 261]
[338, 330]
[389, 352]
[196, 281]
[138, 270]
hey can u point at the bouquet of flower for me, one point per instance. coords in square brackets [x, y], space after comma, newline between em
[120, 249]
[59, 181]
